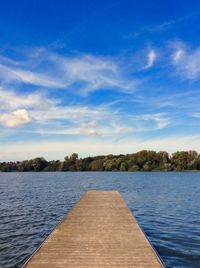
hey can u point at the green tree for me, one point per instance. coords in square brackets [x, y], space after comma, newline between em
[97, 165]
[180, 160]
[73, 157]
[39, 164]
[134, 168]
[123, 166]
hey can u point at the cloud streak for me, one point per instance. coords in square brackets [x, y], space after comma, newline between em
[151, 57]
[186, 61]
[165, 25]
[87, 73]
[78, 74]
[10, 75]
[10, 100]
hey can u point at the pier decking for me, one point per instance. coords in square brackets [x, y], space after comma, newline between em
[100, 231]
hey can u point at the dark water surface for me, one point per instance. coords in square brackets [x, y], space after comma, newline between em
[167, 206]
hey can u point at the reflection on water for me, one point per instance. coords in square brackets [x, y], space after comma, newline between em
[166, 205]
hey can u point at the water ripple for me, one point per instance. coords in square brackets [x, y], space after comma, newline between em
[165, 204]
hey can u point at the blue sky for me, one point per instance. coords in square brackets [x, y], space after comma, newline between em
[98, 77]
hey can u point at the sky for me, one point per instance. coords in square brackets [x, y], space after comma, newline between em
[98, 77]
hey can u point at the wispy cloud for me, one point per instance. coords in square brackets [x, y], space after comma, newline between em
[78, 74]
[49, 117]
[151, 57]
[10, 100]
[10, 75]
[196, 115]
[181, 100]
[102, 121]
[86, 73]
[186, 61]
[178, 55]
[165, 25]
[161, 120]
[89, 128]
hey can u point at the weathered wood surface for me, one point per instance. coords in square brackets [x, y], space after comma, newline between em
[100, 231]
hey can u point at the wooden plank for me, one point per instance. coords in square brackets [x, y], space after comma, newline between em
[100, 231]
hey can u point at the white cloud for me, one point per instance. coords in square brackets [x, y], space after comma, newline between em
[151, 121]
[74, 113]
[78, 74]
[196, 115]
[12, 74]
[87, 73]
[161, 120]
[89, 128]
[178, 55]
[151, 57]
[186, 61]
[100, 120]
[10, 100]
[15, 119]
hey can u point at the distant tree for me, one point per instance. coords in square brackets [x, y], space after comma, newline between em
[66, 158]
[64, 166]
[180, 160]
[53, 166]
[123, 166]
[147, 160]
[39, 164]
[134, 168]
[111, 164]
[87, 163]
[163, 161]
[148, 166]
[26, 165]
[97, 165]
[140, 161]
[79, 164]
[193, 161]
[73, 157]
[71, 163]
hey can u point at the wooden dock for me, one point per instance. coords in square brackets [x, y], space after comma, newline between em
[100, 231]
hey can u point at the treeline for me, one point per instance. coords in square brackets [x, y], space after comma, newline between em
[140, 161]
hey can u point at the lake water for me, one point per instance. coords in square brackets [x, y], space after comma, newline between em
[167, 206]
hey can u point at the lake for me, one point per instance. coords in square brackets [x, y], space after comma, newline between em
[166, 205]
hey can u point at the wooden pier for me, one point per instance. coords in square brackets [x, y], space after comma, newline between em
[100, 231]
